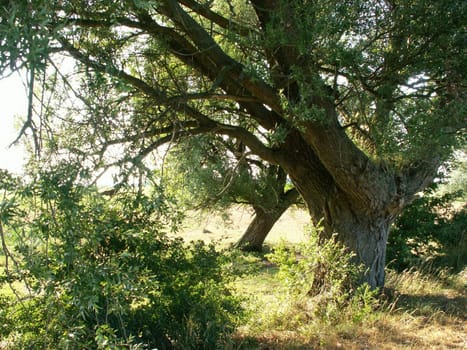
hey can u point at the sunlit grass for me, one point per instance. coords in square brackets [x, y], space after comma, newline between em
[426, 311]
[229, 227]
[421, 313]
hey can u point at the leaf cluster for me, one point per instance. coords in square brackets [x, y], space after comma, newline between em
[210, 172]
[432, 230]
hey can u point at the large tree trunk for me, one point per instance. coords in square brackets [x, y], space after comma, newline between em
[263, 222]
[364, 234]
[361, 225]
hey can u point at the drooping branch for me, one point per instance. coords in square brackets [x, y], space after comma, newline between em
[29, 123]
[113, 71]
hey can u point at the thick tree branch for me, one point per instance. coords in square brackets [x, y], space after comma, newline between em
[221, 21]
[212, 52]
[264, 9]
[250, 140]
[350, 168]
[191, 56]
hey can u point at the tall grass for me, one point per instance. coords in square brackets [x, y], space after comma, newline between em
[419, 310]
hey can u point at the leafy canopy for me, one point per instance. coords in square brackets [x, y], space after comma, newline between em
[146, 72]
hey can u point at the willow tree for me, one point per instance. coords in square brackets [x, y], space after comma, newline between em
[215, 173]
[358, 101]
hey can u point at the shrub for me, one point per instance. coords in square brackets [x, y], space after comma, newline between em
[103, 275]
[430, 230]
[319, 275]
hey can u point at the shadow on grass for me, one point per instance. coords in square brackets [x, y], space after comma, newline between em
[391, 330]
[273, 341]
[433, 319]
[427, 305]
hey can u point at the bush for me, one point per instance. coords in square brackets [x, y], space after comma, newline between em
[103, 275]
[430, 230]
[320, 276]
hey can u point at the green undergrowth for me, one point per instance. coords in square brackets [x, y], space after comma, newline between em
[304, 292]
[418, 308]
[102, 273]
[289, 309]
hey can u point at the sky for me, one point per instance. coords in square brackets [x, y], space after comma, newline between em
[13, 110]
[13, 105]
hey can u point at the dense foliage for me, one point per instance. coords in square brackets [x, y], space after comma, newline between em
[206, 172]
[432, 230]
[94, 272]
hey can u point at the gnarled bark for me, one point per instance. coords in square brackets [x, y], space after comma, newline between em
[364, 234]
[361, 224]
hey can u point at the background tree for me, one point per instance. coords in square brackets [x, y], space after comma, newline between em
[358, 101]
[432, 231]
[216, 173]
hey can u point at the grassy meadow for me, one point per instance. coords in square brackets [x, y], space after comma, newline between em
[417, 311]
[228, 228]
